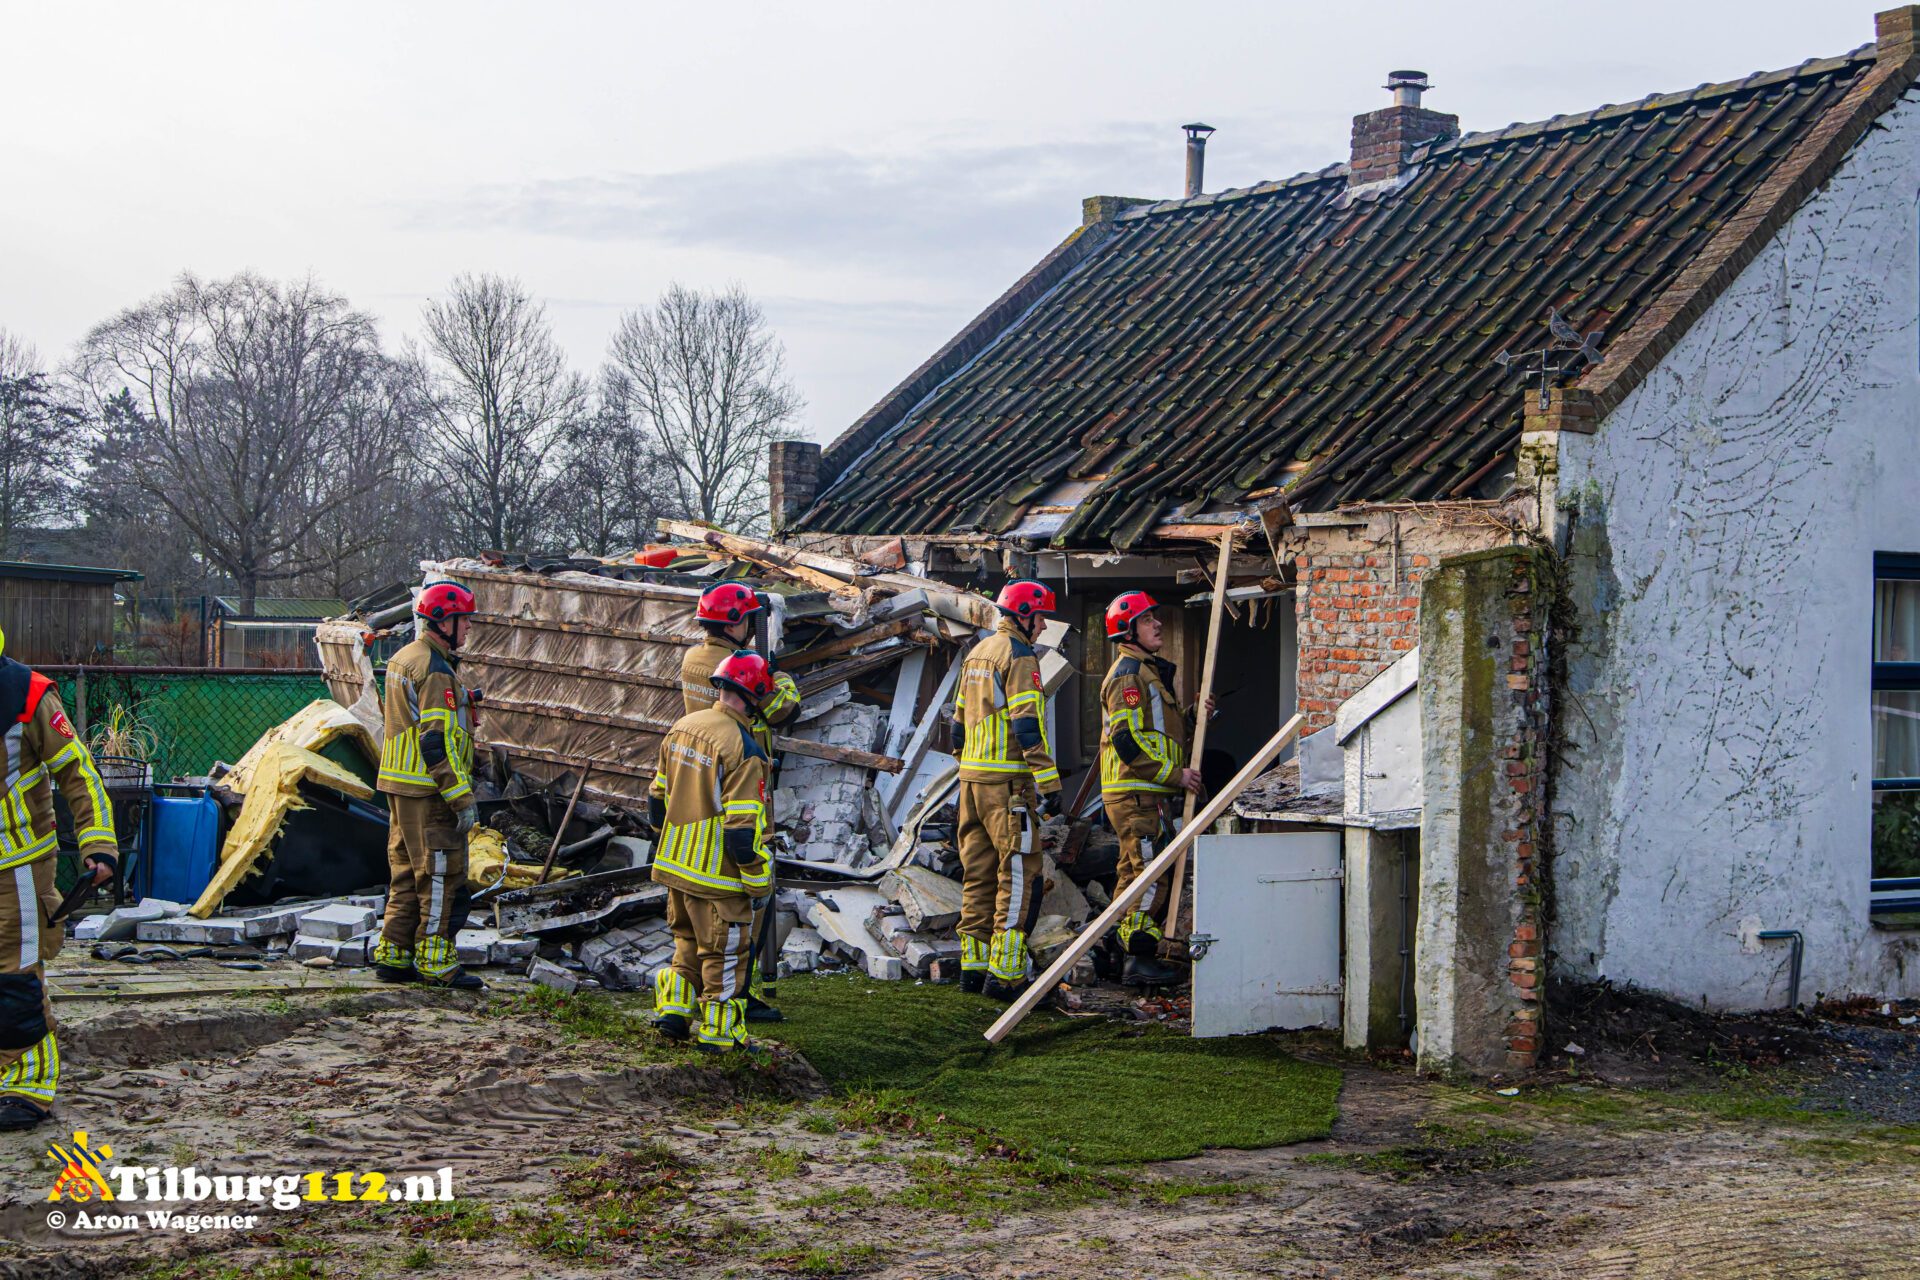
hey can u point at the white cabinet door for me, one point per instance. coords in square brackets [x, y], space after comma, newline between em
[1267, 930]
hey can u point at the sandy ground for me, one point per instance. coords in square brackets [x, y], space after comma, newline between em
[1419, 1179]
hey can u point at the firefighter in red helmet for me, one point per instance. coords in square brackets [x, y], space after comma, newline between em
[1008, 784]
[709, 803]
[726, 613]
[1143, 765]
[426, 773]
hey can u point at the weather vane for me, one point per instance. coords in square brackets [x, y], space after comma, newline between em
[1567, 349]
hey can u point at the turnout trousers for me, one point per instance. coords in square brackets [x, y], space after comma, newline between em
[426, 889]
[29, 1058]
[999, 878]
[712, 965]
[1140, 819]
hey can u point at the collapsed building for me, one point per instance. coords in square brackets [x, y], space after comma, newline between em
[1565, 470]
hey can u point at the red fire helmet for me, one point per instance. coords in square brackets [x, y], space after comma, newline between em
[746, 673]
[1128, 608]
[443, 600]
[1022, 598]
[727, 602]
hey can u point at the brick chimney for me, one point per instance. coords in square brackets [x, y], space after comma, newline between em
[1383, 140]
[793, 480]
[1895, 33]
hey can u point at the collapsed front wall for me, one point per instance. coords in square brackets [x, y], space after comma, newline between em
[1720, 529]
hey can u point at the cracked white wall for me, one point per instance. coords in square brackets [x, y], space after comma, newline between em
[1724, 520]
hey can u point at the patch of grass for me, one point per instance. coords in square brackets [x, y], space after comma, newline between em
[827, 1259]
[1882, 1146]
[777, 1161]
[418, 1258]
[980, 1188]
[452, 1220]
[581, 1015]
[1173, 1191]
[853, 1197]
[819, 1122]
[278, 1004]
[611, 1200]
[1088, 1089]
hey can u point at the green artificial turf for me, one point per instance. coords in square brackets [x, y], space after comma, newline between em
[1087, 1089]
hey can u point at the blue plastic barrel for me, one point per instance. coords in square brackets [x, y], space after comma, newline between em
[185, 848]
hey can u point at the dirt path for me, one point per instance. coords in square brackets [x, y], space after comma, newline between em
[585, 1156]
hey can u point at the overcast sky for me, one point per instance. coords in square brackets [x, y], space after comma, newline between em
[874, 173]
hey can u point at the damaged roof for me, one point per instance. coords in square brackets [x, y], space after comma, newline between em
[1289, 336]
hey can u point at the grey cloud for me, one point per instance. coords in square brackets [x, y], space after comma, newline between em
[948, 210]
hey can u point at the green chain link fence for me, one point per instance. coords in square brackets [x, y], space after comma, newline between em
[194, 717]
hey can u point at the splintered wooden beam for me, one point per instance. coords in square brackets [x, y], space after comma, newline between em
[1124, 901]
[853, 640]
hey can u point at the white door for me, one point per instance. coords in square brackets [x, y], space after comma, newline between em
[1266, 932]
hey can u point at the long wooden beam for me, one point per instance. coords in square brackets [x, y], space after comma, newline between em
[1200, 718]
[1124, 901]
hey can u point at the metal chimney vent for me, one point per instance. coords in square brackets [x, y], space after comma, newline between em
[1407, 87]
[1197, 135]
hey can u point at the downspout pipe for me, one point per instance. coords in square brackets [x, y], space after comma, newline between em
[1793, 963]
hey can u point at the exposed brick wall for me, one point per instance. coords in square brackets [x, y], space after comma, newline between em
[1355, 621]
[1358, 601]
[1523, 818]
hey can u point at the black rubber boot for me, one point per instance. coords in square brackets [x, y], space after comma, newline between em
[457, 980]
[1006, 992]
[17, 1114]
[973, 981]
[674, 1026]
[1140, 972]
[394, 973]
[759, 1010]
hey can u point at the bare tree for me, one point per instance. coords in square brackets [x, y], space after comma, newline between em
[707, 380]
[500, 399]
[242, 385]
[615, 483]
[42, 438]
[383, 517]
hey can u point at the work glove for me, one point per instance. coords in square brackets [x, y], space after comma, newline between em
[464, 818]
[101, 866]
[764, 901]
[656, 812]
[1052, 805]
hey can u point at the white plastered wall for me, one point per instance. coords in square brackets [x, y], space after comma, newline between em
[1724, 521]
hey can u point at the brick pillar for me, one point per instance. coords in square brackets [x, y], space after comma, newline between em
[793, 480]
[1484, 716]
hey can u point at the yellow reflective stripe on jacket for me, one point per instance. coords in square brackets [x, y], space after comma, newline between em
[459, 750]
[785, 694]
[102, 828]
[1117, 775]
[696, 851]
[1039, 701]
[18, 844]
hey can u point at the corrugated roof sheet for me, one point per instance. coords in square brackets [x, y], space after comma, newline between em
[1287, 335]
[296, 608]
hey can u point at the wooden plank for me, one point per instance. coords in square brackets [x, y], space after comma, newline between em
[891, 789]
[1124, 901]
[643, 724]
[853, 640]
[591, 583]
[1194, 757]
[846, 669]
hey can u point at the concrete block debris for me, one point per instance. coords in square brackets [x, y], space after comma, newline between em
[337, 920]
[122, 922]
[548, 974]
[215, 931]
[930, 901]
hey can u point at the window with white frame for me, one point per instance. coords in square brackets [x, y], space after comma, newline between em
[1896, 731]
